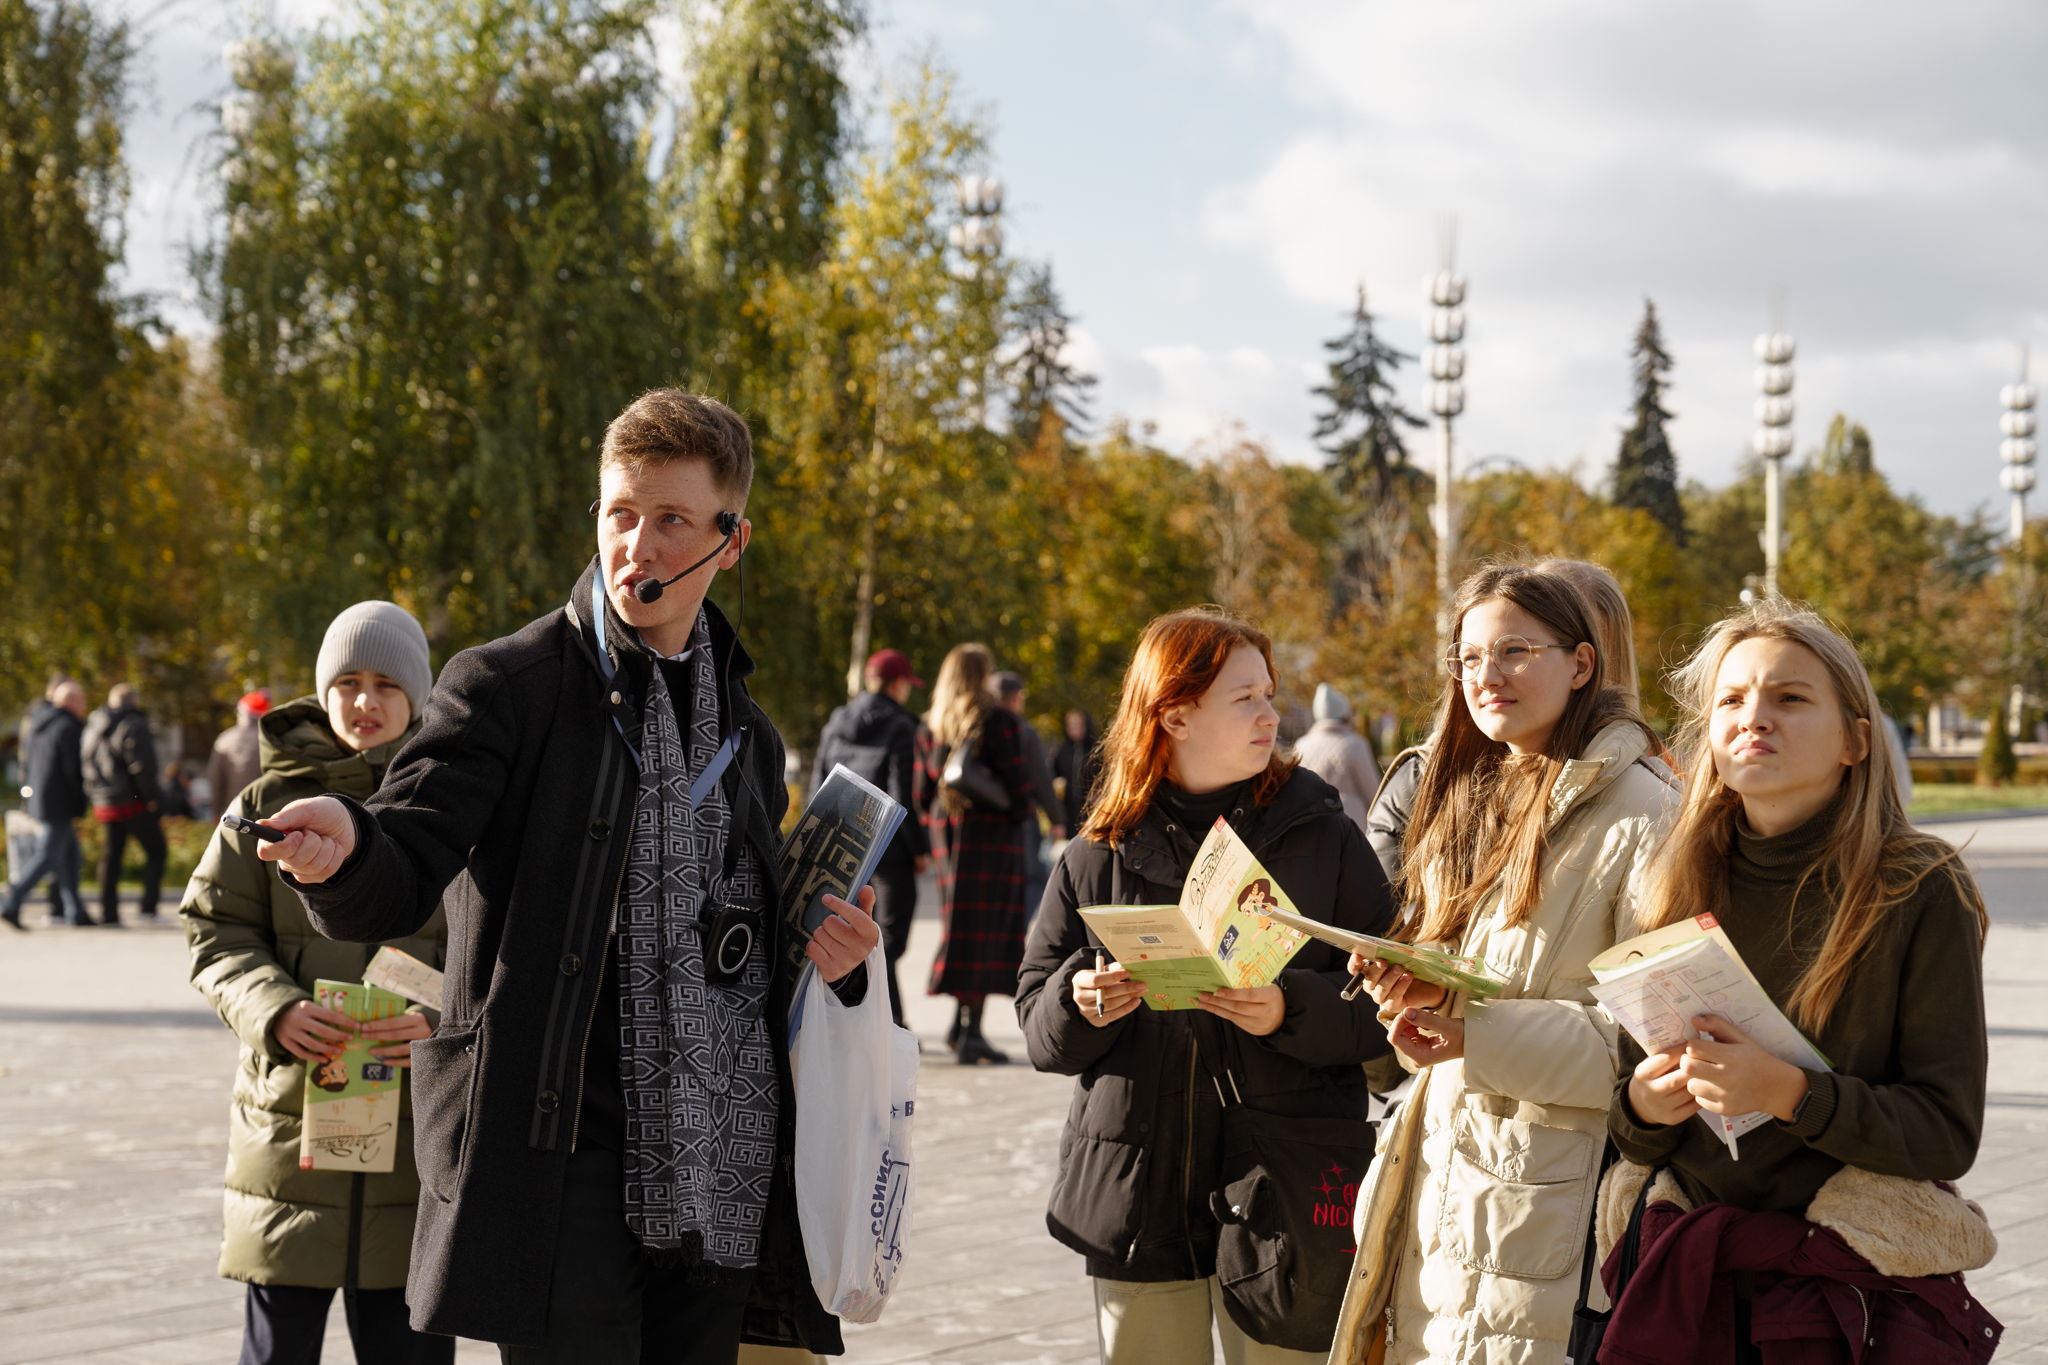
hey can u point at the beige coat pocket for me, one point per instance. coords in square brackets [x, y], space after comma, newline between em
[1517, 1196]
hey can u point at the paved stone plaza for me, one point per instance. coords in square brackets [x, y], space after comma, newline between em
[113, 1083]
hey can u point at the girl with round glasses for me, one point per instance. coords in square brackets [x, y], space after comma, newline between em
[1535, 803]
[1613, 636]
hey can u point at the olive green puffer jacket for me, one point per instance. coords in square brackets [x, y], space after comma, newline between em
[254, 954]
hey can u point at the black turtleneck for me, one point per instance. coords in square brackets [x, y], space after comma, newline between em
[1198, 814]
[1906, 1040]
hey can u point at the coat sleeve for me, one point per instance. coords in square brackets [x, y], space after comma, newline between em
[1387, 822]
[234, 946]
[1059, 945]
[1321, 1028]
[1563, 1050]
[435, 804]
[1925, 1120]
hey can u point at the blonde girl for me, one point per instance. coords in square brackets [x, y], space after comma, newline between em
[1866, 932]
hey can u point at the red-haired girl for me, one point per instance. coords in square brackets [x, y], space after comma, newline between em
[1140, 1187]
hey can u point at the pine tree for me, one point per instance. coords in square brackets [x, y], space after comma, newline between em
[1043, 385]
[1362, 430]
[1645, 469]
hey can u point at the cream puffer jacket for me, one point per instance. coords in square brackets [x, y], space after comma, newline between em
[1474, 1215]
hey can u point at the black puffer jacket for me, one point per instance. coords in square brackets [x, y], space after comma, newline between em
[119, 757]
[1141, 1151]
[877, 739]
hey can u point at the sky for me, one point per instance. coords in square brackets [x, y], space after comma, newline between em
[1212, 180]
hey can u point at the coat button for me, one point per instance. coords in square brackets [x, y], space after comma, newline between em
[600, 829]
[617, 699]
[548, 1102]
[571, 964]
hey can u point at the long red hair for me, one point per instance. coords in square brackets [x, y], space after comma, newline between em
[1176, 663]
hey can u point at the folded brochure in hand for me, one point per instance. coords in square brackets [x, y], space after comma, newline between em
[834, 846]
[1223, 934]
[1656, 983]
[832, 851]
[1450, 970]
[350, 1119]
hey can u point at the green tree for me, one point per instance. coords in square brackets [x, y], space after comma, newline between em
[110, 492]
[440, 279]
[1899, 578]
[1361, 431]
[1997, 764]
[1846, 450]
[1645, 471]
[1044, 386]
[751, 183]
[882, 474]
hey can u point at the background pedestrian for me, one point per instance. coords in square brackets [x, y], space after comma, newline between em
[119, 754]
[979, 846]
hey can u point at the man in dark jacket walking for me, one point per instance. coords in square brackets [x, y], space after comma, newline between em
[876, 736]
[602, 1122]
[56, 796]
[121, 783]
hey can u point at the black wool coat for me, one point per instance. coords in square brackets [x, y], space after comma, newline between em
[517, 797]
[1142, 1148]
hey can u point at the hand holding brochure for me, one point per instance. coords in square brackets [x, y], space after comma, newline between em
[350, 1120]
[836, 843]
[1449, 970]
[1224, 933]
[1655, 984]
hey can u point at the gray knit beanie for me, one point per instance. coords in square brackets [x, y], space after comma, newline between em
[382, 636]
[1330, 704]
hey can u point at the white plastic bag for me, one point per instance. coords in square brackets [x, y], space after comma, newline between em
[856, 1089]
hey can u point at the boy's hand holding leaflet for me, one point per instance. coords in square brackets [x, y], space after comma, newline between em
[826, 863]
[1683, 989]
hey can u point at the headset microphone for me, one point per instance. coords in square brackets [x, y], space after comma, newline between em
[649, 590]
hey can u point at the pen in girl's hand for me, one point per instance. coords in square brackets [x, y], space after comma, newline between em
[1101, 965]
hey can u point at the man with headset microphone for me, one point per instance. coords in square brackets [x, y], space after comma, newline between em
[602, 1120]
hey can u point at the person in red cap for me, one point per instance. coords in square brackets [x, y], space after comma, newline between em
[235, 761]
[876, 736]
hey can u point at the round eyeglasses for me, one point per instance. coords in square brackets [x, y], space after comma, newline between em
[1511, 654]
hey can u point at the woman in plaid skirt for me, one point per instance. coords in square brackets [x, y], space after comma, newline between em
[978, 846]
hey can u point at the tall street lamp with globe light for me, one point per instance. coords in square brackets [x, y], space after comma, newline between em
[1446, 290]
[1773, 441]
[2016, 452]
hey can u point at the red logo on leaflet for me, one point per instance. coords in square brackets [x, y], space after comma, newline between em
[1337, 1199]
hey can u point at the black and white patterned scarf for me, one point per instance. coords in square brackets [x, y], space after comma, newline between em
[695, 1059]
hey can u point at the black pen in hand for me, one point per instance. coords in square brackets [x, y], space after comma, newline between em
[1101, 965]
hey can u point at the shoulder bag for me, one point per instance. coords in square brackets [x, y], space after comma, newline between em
[972, 780]
[1589, 1325]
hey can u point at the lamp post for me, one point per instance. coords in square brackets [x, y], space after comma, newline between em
[1446, 290]
[2016, 452]
[1773, 441]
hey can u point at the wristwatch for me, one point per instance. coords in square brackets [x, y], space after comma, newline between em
[1800, 1108]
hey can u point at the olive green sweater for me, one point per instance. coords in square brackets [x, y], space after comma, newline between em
[1907, 1041]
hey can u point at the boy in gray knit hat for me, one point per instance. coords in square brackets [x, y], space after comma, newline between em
[376, 637]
